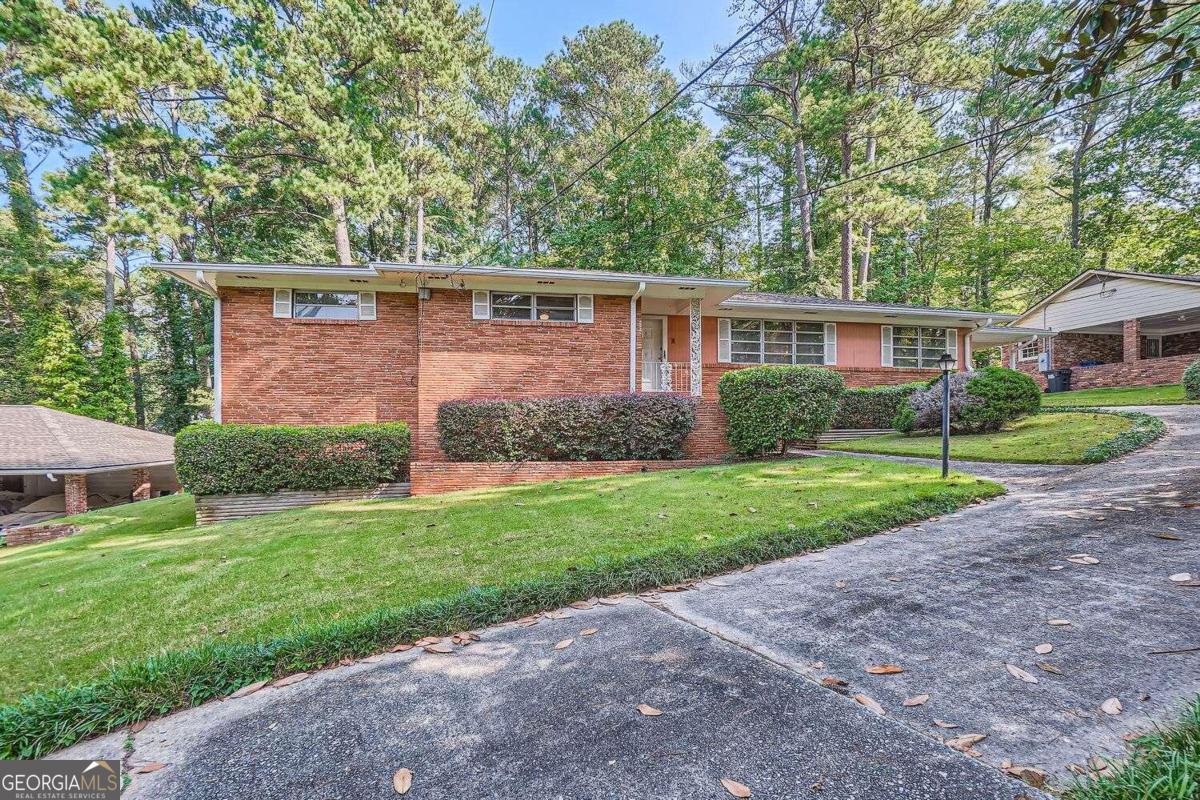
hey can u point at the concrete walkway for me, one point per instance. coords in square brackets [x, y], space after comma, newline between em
[735, 666]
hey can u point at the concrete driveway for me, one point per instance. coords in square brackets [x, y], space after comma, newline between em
[735, 666]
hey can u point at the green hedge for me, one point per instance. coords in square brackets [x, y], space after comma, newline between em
[873, 407]
[1146, 430]
[606, 427]
[261, 459]
[1191, 381]
[42, 722]
[775, 406]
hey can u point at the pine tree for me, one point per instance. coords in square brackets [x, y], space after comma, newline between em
[112, 388]
[59, 372]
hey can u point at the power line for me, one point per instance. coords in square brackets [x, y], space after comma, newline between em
[487, 25]
[627, 137]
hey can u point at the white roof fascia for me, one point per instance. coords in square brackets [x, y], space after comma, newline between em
[443, 271]
[867, 308]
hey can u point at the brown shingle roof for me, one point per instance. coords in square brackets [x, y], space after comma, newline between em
[35, 439]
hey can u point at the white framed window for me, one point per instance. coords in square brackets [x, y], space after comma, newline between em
[916, 347]
[540, 307]
[1030, 350]
[323, 304]
[772, 341]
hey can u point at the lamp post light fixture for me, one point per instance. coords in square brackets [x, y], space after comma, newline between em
[946, 362]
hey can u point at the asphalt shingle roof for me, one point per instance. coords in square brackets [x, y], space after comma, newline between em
[795, 299]
[37, 439]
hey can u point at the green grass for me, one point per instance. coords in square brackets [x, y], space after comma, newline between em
[1164, 395]
[1038, 439]
[1162, 766]
[150, 616]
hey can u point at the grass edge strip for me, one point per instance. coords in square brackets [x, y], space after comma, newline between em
[1146, 430]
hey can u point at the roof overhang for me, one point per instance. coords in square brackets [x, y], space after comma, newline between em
[60, 470]
[1103, 275]
[861, 312]
[996, 335]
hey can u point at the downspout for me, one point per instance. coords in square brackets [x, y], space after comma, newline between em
[216, 414]
[633, 302]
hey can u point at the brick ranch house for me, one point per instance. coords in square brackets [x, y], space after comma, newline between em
[314, 344]
[1113, 329]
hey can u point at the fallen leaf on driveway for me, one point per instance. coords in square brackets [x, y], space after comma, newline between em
[1020, 674]
[734, 788]
[918, 700]
[140, 725]
[439, 649]
[400, 648]
[885, 669]
[290, 679]
[867, 702]
[965, 742]
[1031, 775]
[582, 605]
[153, 766]
[589, 631]
[1170, 537]
[1058, 623]
[1180, 577]
[941, 723]
[1111, 706]
[428, 640]
[832, 680]
[402, 780]
[1046, 666]
[251, 689]
[648, 711]
[1083, 558]
[1043, 649]
[564, 644]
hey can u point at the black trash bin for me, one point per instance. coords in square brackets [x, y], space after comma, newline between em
[1058, 380]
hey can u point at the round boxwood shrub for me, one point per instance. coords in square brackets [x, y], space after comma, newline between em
[1191, 381]
[980, 402]
[775, 406]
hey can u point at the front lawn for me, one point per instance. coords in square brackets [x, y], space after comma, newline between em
[352, 578]
[1164, 395]
[1038, 439]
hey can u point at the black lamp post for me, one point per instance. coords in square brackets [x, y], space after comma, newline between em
[946, 362]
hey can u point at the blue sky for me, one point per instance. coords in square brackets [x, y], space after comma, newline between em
[689, 29]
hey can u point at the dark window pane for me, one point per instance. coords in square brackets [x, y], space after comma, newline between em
[325, 305]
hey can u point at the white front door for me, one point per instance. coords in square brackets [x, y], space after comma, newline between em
[654, 354]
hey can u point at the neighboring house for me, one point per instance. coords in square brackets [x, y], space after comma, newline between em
[1114, 329]
[336, 344]
[53, 463]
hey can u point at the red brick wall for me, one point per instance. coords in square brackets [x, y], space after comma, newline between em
[1131, 340]
[436, 477]
[35, 534]
[317, 372]
[462, 358]
[1144, 372]
[1181, 344]
[75, 494]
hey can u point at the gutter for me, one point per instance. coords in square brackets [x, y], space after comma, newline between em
[633, 331]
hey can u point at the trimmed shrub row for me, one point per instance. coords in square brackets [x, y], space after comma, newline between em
[771, 407]
[42, 722]
[260, 459]
[980, 402]
[873, 407]
[1146, 430]
[613, 427]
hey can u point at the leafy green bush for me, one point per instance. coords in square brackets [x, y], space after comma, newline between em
[260, 459]
[1191, 381]
[980, 402]
[873, 407]
[775, 406]
[608, 427]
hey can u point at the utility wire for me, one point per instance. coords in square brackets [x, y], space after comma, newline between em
[627, 137]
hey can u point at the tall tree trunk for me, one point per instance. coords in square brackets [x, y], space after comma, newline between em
[341, 229]
[110, 240]
[847, 254]
[864, 259]
[807, 250]
[21, 202]
[135, 352]
[420, 254]
[1077, 159]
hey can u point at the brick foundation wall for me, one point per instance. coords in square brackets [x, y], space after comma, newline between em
[464, 358]
[1144, 372]
[1182, 344]
[437, 477]
[317, 372]
[35, 534]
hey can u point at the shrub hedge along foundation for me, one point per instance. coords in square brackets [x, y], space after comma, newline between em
[613, 427]
[980, 402]
[873, 407]
[775, 406]
[260, 459]
[1146, 430]
[43, 722]
[1191, 381]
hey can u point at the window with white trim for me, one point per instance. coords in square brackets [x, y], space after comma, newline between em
[771, 341]
[1030, 350]
[542, 307]
[324, 304]
[921, 347]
